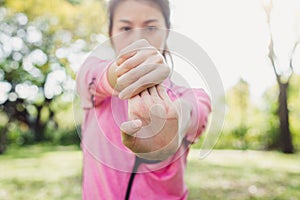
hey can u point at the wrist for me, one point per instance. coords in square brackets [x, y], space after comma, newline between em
[184, 111]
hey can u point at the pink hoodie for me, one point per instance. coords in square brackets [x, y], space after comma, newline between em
[107, 163]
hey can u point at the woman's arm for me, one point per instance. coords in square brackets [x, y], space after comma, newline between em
[162, 124]
[200, 104]
[92, 82]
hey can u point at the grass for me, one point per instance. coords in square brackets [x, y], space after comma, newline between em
[49, 173]
[244, 175]
[40, 172]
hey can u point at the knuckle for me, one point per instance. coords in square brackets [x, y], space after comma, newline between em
[123, 52]
[137, 74]
[126, 65]
[154, 65]
[120, 83]
[160, 89]
[159, 58]
[166, 70]
[153, 50]
[123, 83]
[144, 41]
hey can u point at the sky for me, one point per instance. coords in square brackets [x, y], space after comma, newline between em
[235, 35]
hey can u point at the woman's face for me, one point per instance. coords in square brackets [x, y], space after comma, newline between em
[134, 20]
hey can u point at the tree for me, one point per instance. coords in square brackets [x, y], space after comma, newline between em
[38, 41]
[81, 17]
[27, 61]
[283, 79]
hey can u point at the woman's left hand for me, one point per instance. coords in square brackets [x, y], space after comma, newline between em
[157, 125]
[139, 66]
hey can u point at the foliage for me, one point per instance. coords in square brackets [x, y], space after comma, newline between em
[80, 17]
[249, 126]
[238, 115]
[294, 108]
[41, 43]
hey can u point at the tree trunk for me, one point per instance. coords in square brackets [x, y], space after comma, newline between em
[3, 139]
[38, 126]
[285, 134]
[2, 142]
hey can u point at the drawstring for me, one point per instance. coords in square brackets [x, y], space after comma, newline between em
[133, 173]
[137, 163]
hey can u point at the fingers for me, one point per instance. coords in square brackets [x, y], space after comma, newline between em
[135, 55]
[148, 80]
[146, 98]
[133, 90]
[131, 127]
[145, 58]
[133, 104]
[131, 50]
[124, 57]
[136, 58]
[162, 92]
[140, 66]
[132, 76]
[128, 131]
[135, 45]
[153, 92]
[130, 62]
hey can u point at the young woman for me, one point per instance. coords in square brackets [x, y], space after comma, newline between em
[138, 125]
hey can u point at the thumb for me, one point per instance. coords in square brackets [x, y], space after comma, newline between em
[131, 127]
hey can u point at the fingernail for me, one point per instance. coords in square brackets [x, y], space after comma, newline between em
[137, 123]
[121, 95]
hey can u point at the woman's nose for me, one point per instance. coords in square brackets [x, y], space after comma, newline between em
[138, 34]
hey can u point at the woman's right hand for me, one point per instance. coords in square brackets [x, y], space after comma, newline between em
[152, 130]
[138, 67]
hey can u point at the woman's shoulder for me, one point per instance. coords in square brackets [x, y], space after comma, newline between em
[95, 60]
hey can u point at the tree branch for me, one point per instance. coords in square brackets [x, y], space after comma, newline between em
[272, 57]
[271, 54]
[292, 55]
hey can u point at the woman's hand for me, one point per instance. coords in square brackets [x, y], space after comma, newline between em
[139, 66]
[156, 125]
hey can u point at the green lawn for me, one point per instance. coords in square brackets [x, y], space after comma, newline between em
[50, 173]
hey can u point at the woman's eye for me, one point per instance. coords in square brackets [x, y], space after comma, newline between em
[151, 28]
[125, 28]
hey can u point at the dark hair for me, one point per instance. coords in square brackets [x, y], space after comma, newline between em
[164, 6]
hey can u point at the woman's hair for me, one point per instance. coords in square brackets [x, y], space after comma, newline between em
[163, 5]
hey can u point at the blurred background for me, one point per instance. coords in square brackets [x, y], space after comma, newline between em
[254, 45]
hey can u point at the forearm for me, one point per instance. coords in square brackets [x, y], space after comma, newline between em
[184, 110]
[92, 82]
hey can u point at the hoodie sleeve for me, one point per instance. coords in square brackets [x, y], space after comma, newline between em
[201, 107]
[92, 82]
